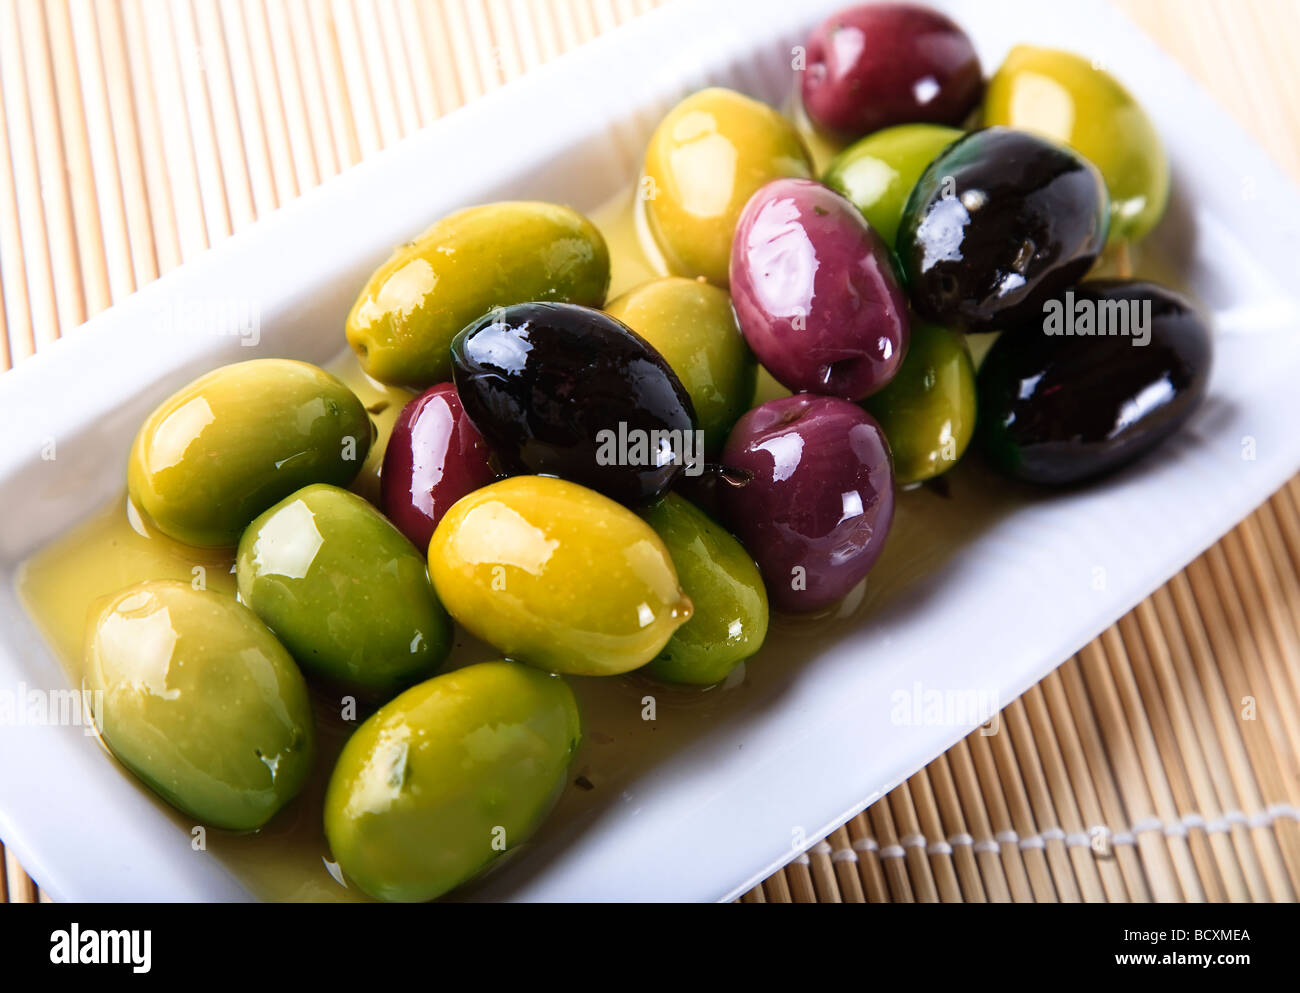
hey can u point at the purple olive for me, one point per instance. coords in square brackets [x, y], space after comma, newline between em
[818, 505]
[880, 64]
[815, 293]
[435, 457]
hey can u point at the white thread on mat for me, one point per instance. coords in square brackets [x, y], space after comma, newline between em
[1075, 839]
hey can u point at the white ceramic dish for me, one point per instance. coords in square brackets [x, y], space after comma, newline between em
[1018, 596]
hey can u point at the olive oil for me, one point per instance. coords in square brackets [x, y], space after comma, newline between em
[631, 724]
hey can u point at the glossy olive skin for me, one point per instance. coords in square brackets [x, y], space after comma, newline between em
[434, 457]
[482, 257]
[815, 291]
[692, 325]
[1064, 97]
[1060, 409]
[997, 224]
[552, 387]
[928, 411]
[876, 173]
[200, 701]
[440, 782]
[220, 451]
[731, 613]
[880, 64]
[818, 508]
[558, 576]
[706, 158]
[344, 591]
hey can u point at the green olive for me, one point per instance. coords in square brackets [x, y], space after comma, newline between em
[724, 584]
[878, 172]
[705, 160]
[233, 442]
[450, 775]
[558, 576]
[1066, 97]
[196, 697]
[691, 324]
[493, 255]
[344, 590]
[928, 409]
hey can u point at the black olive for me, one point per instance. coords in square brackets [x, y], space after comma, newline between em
[562, 390]
[996, 224]
[1067, 403]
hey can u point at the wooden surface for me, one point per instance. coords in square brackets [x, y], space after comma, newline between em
[135, 134]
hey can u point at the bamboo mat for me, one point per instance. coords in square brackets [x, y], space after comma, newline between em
[1160, 763]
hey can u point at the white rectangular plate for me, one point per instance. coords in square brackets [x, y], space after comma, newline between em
[1015, 598]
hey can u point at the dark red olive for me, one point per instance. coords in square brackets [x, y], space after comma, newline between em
[881, 64]
[819, 498]
[1065, 403]
[434, 457]
[815, 292]
[996, 224]
[562, 390]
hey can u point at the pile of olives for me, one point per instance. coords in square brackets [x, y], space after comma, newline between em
[540, 491]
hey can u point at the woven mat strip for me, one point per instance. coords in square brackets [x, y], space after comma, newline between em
[1160, 763]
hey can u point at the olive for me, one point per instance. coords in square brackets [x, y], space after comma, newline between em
[1070, 99]
[344, 591]
[819, 500]
[434, 457]
[928, 410]
[879, 64]
[1118, 367]
[693, 326]
[219, 452]
[878, 172]
[558, 576]
[440, 782]
[996, 224]
[730, 618]
[482, 257]
[198, 699]
[704, 161]
[815, 291]
[567, 391]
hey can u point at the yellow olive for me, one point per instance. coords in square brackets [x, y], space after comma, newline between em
[1070, 99]
[493, 255]
[558, 576]
[691, 324]
[708, 156]
[232, 443]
